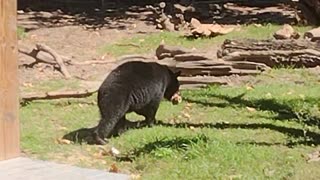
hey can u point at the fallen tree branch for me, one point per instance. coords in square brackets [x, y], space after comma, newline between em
[191, 57]
[44, 58]
[202, 80]
[207, 30]
[89, 62]
[193, 86]
[57, 58]
[39, 56]
[128, 44]
[57, 95]
[164, 51]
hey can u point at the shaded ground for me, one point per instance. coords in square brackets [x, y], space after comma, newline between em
[80, 32]
[77, 42]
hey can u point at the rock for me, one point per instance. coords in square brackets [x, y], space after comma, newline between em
[286, 32]
[313, 34]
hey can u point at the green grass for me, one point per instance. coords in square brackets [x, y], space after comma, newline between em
[216, 133]
[21, 32]
[52, 85]
[232, 132]
[148, 43]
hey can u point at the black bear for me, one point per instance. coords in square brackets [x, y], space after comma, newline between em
[132, 87]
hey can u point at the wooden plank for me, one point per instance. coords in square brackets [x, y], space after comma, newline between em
[202, 80]
[9, 103]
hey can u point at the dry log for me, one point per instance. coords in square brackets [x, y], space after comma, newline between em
[249, 65]
[89, 62]
[193, 86]
[191, 57]
[313, 34]
[164, 51]
[57, 58]
[198, 63]
[244, 72]
[182, 9]
[40, 57]
[203, 63]
[208, 30]
[222, 70]
[168, 62]
[44, 58]
[128, 44]
[299, 53]
[217, 72]
[195, 71]
[205, 68]
[56, 95]
[233, 64]
[230, 46]
[265, 57]
[202, 80]
[245, 54]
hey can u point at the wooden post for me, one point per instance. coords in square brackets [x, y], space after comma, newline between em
[9, 102]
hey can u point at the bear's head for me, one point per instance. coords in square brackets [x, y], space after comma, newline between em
[172, 90]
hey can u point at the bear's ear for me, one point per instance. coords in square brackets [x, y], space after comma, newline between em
[176, 74]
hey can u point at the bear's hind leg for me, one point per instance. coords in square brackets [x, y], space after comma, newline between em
[104, 130]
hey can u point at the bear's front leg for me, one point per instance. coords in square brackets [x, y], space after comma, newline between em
[122, 126]
[149, 112]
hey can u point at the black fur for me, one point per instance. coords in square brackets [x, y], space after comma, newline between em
[132, 87]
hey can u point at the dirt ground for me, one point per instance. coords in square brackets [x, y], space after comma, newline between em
[77, 42]
[79, 36]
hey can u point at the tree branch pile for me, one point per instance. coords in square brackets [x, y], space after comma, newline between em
[178, 17]
[202, 68]
[162, 20]
[27, 97]
[238, 57]
[294, 53]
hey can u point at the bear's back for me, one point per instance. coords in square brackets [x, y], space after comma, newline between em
[135, 75]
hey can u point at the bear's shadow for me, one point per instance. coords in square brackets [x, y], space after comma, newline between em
[87, 134]
[302, 137]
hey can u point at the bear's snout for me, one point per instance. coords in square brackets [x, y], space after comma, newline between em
[176, 98]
